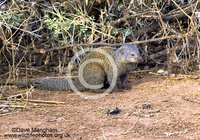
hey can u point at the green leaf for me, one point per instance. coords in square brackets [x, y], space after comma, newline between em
[83, 28]
[127, 32]
[121, 6]
[115, 32]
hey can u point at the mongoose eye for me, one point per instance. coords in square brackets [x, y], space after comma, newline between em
[133, 55]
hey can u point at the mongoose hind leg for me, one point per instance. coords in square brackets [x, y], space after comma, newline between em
[93, 75]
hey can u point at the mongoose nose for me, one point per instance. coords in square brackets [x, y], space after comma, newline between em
[140, 59]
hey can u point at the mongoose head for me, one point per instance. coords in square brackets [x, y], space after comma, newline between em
[128, 54]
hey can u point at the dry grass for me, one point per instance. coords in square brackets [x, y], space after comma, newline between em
[42, 33]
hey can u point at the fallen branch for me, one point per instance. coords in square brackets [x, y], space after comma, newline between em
[113, 45]
[164, 52]
[182, 12]
[159, 54]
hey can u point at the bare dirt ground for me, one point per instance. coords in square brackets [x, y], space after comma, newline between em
[172, 112]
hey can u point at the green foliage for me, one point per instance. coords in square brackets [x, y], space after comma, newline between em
[115, 32]
[126, 32]
[53, 25]
[63, 24]
[13, 18]
[121, 6]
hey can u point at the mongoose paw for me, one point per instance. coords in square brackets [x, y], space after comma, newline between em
[99, 90]
[117, 90]
[103, 90]
[127, 87]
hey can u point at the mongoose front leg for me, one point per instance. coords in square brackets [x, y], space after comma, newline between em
[123, 79]
[115, 88]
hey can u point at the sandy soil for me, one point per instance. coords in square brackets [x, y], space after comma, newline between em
[155, 108]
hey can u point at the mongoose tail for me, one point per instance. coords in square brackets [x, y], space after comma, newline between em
[57, 84]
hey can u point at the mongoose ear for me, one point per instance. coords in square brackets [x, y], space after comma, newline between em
[121, 51]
